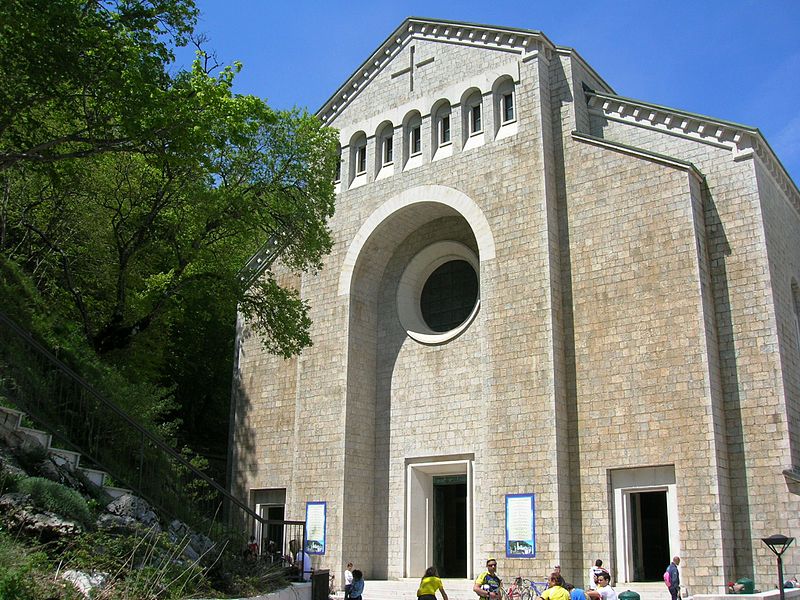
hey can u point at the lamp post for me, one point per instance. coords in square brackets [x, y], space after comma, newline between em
[778, 544]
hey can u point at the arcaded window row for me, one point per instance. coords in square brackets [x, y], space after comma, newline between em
[405, 141]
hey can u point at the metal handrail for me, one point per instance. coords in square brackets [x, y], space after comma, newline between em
[147, 437]
[262, 259]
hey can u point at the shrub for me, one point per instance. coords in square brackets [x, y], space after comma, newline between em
[56, 498]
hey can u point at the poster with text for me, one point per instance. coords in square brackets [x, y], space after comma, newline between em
[520, 534]
[315, 527]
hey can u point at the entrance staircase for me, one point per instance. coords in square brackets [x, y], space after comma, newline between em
[12, 420]
[461, 589]
[75, 423]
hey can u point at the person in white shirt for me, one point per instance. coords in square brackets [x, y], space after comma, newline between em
[300, 561]
[594, 571]
[604, 590]
[348, 580]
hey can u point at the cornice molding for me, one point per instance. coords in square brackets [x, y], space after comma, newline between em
[640, 153]
[744, 142]
[518, 41]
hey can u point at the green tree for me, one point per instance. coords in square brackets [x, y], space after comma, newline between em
[132, 192]
[81, 77]
[205, 178]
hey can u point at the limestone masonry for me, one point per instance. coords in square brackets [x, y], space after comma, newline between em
[540, 289]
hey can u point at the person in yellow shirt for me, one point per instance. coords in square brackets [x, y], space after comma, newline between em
[430, 584]
[488, 584]
[555, 588]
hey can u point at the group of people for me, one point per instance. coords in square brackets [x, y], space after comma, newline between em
[353, 583]
[488, 584]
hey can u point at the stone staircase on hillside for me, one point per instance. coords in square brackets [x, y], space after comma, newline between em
[461, 589]
[12, 420]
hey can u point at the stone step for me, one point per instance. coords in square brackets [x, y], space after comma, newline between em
[461, 589]
[40, 436]
[96, 476]
[65, 458]
[116, 492]
[10, 417]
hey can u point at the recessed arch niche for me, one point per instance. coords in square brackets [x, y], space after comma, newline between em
[435, 225]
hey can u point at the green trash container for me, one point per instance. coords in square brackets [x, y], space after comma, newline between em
[748, 585]
[628, 595]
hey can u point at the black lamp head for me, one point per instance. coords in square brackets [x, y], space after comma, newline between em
[778, 543]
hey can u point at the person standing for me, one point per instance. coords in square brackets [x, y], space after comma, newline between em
[674, 583]
[348, 580]
[594, 571]
[358, 585]
[429, 584]
[487, 585]
[604, 590]
[300, 561]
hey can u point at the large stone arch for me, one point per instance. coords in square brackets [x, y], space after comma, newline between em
[377, 384]
[425, 194]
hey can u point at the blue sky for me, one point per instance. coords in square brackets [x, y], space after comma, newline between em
[737, 60]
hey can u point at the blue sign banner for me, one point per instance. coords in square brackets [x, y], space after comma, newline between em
[315, 527]
[520, 532]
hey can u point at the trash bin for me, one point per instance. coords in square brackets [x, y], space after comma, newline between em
[628, 595]
[748, 585]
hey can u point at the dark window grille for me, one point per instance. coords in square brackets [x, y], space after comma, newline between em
[445, 130]
[449, 295]
[508, 108]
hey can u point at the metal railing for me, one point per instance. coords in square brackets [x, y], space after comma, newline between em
[261, 260]
[81, 419]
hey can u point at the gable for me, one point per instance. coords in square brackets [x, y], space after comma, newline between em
[424, 61]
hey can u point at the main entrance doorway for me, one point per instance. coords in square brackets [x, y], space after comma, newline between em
[449, 518]
[439, 517]
[645, 522]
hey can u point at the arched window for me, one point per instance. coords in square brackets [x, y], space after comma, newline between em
[384, 149]
[412, 140]
[337, 177]
[358, 158]
[505, 107]
[442, 142]
[472, 118]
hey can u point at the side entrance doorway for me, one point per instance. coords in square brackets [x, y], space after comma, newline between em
[439, 518]
[645, 522]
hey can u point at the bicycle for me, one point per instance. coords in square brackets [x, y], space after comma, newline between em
[524, 589]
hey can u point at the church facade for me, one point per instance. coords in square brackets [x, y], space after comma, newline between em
[557, 324]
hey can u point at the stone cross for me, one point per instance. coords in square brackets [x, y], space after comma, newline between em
[410, 68]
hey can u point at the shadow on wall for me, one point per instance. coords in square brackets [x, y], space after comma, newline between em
[719, 251]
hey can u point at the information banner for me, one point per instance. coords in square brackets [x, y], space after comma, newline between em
[315, 527]
[520, 533]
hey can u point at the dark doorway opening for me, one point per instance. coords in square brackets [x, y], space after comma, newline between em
[450, 525]
[650, 529]
[273, 531]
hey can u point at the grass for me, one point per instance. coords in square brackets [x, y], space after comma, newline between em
[27, 573]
